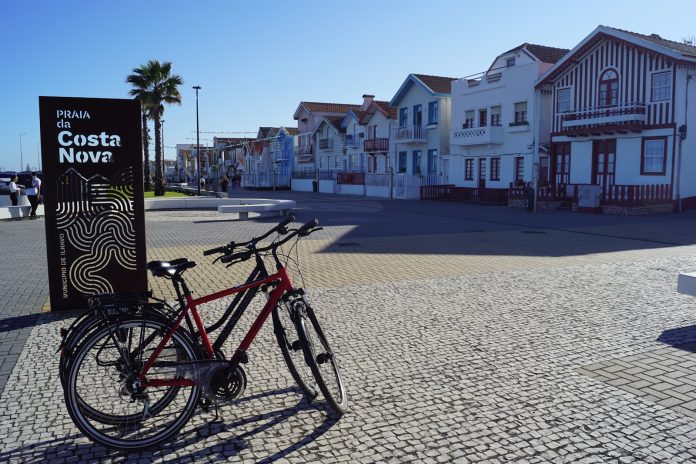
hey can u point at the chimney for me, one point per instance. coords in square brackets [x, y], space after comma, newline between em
[367, 99]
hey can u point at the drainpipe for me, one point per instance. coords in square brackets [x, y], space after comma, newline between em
[535, 150]
[682, 135]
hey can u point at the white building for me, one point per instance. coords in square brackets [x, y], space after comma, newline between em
[421, 140]
[493, 133]
[377, 121]
[619, 123]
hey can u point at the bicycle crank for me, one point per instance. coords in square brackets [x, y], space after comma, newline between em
[228, 384]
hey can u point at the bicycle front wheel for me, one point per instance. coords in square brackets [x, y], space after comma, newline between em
[321, 359]
[101, 376]
[291, 347]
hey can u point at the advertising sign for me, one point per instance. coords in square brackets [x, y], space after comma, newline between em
[93, 182]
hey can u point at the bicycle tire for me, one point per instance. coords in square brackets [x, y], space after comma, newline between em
[284, 329]
[321, 359]
[129, 432]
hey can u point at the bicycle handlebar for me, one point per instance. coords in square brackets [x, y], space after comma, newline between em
[229, 248]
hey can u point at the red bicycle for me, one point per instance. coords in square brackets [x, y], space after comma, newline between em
[136, 379]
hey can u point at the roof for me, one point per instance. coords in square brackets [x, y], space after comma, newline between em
[378, 105]
[334, 121]
[292, 130]
[541, 52]
[319, 107]
[436, 85]
[654, 42]
[679, 47]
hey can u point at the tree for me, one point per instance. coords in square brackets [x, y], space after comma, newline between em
[160, 87]
[139, 81]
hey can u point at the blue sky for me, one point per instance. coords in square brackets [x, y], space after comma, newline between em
[255, 61]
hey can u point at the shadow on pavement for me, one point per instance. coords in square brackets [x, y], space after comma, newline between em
[31, 320]
[64, 449]
[683, 338]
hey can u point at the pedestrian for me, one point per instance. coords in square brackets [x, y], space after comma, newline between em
[34, 194]
[203, 182]
[224, 183]
[14, 190]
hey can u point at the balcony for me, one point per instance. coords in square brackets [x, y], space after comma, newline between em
[373, 145]
[410, 134]
[628, 115]
[326, 144]
[304, 150]
[478, 136]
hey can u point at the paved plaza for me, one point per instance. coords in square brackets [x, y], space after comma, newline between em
[466, 333]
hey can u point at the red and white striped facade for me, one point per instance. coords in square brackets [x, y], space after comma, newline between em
[606, 111]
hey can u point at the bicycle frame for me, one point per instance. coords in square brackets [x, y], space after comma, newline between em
[282, 283]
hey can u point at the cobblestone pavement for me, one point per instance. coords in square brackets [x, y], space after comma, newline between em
[507, 338]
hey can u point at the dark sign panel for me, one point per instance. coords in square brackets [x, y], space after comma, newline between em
[93, 182]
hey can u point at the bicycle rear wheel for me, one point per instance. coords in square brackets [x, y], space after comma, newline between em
[291, 347]
[101, 377]
[321, 359]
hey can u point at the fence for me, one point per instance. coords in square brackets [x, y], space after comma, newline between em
[266, 181]
[449, 192]
[637, 195]
[350, 178]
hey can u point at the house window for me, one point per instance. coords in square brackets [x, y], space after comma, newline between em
[521, 113]
[495, 168]
[654, 157]
[482, 169]
[432, 161]
[432, 112]
[468, 120]
[403, 117]
[402, 161]
[563, 100]
[661, 86]
[417, 115]
[483, 116]
[469, 169]
[416, 162]
[495, 116]
[609, 88]
[510, 62]
[519, 169]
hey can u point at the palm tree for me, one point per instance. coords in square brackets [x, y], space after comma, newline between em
[161, 87]
[140, 91]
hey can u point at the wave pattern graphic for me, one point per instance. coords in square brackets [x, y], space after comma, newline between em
[98, 219]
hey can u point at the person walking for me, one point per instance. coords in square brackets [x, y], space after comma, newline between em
[14, 191]
[34, 194]
[224, 183]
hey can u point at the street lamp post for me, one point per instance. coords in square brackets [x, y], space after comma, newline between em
[198, 144]
[21, 156]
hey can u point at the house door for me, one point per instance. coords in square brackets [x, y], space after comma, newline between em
[560, 160]
[482, 173]
[445, 171]
[604, 164]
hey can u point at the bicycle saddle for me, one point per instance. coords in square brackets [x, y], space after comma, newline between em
[170, 268]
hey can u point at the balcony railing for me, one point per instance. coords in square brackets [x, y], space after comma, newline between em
[304, 150]
[326, 144]
[623, 114]
[410, 134]
[372, 145]
[637, 195]
[478, 136]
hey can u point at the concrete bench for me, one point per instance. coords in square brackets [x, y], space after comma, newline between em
[686, 283]
[264, 207]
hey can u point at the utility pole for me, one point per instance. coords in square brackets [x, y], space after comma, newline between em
[21, 156]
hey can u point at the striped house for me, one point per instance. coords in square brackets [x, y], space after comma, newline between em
[618, 124]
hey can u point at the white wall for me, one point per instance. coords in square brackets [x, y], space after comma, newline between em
[301, 185]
